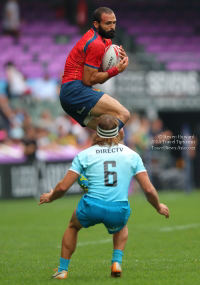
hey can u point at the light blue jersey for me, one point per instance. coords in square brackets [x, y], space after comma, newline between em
[109, 170]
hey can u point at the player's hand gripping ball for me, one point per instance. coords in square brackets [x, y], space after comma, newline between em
[111, 57]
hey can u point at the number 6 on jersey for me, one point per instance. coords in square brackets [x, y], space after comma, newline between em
[108, 173]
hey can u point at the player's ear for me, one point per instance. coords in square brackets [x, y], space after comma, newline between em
[96, 24]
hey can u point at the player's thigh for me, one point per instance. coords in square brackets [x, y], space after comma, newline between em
[107, 105]
[74, 223]
[116, 216]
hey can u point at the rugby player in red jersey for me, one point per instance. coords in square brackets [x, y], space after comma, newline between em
[82, 70]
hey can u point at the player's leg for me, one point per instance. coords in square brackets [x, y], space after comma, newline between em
[120, 239]
[70, 237]
[116, 222]
[69, 242]
[109, 106]
[119, 242]
[83, 103]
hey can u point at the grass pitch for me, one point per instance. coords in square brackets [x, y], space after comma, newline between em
[158, 251]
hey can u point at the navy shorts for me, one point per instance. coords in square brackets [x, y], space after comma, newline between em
[77, 100]
[114, 215]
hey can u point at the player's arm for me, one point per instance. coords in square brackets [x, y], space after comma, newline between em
[60, 189]
[92, 76]
[151, 194]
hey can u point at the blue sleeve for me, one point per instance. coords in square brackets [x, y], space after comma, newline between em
[139, 166]
[76, 165]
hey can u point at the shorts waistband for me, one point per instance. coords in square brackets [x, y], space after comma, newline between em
[71, 81]
[109, 203]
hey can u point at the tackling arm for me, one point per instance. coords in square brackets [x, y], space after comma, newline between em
[151, 194]
[60, 188]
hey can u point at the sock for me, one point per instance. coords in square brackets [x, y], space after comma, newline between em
[120, 124]
[117, 256]
[64, 263]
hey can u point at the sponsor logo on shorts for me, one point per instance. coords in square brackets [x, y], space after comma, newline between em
[79, 112]
[114, 229]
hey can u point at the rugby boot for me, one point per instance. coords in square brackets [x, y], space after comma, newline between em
[60, 275]
[116, 270]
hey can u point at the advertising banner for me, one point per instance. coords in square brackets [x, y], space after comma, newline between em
[31, 180]
[162, 89]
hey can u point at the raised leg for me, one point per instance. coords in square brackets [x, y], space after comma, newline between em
[109, 106]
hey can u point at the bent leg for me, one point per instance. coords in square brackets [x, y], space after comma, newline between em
[109, 106]
[69, 240]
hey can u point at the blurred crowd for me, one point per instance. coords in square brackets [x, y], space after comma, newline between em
[32, 120]
[19, 129]
[28, 119]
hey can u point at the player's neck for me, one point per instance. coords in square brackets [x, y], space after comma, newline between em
[93, 27]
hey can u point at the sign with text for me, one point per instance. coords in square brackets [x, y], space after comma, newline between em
[163, 89]
[31, 180]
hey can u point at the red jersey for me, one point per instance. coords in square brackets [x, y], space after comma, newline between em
[88, 51]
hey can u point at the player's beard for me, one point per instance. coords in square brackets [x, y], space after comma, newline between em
[107, 35]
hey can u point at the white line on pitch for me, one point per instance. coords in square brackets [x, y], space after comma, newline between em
[179, 228]
[92, 242]
[95, 242]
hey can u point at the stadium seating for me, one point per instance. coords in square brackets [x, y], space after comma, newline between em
[170, 33]
[38, 50]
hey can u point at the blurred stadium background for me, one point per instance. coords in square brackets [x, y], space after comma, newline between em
[161, 89]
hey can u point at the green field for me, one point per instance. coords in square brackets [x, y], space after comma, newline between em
[158, 251]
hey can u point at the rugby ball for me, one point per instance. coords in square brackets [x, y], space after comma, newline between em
[111, 57]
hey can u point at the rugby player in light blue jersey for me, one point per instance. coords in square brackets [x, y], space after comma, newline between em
[109, 167]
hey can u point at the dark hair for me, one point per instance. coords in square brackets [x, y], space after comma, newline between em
[98, 12]
[106, 122]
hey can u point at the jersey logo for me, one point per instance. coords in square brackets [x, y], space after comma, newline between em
[98, 90]
[79, 112]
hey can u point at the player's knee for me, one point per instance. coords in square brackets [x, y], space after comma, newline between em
[71, 225]
[74, 225]
[126, 114]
